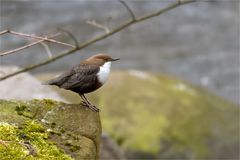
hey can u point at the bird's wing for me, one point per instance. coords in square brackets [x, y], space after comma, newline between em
[82, 74]
[59, 80]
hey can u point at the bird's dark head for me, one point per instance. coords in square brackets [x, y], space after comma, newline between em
[101, 58]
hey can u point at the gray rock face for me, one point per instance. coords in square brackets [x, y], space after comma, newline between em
[198, 42]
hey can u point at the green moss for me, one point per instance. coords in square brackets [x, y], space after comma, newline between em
[36, 130]
[74, 148]
[33, 145]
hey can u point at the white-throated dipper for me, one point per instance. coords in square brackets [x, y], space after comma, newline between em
[86, 77]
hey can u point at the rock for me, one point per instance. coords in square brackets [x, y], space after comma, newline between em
[109, 149]
[159, 116]
[28, 87]
[46, 129]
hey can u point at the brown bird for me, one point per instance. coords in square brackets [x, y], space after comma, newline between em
[85, 77]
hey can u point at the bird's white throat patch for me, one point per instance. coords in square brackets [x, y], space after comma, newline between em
[104, 72]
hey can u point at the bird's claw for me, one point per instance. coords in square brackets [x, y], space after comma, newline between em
[90, 106]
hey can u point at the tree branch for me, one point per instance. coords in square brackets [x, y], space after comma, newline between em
[174, 5]
[4, 31]
[95, 24]
[128, 9]
[70, 35]
[41, 38]
[84, 45]
[26, 46]
[46, 47]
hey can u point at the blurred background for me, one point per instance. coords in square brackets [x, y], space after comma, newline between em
[182, 69]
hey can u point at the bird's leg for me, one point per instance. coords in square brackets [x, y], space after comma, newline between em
[84, 102]
[86, 99]
[88, 104]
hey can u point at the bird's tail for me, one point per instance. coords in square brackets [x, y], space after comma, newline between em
[45, 83]
[50, 82]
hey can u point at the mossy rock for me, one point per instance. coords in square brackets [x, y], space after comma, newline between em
[160, 116]
[46, 129]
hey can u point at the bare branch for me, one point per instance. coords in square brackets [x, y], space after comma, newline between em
[39, 64]
[20, 48]
[70, 35]
[95, 24]
[185, 1]
[45, 46]
[174, 5]
[128, 9]
[41, 38]
[84, 45]
[26, 46]
[4, 31]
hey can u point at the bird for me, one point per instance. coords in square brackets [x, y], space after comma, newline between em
[85, 77]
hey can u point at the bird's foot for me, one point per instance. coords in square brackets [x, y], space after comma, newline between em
[92, 107]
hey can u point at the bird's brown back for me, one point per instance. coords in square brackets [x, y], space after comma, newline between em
[82, 78]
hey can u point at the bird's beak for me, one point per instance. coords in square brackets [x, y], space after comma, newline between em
[115, 59]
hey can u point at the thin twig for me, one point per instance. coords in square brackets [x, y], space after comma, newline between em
[84, 45]
[95, 24]
[20, 48]
[128, 9]
[26, 46]
[45, 46]
[39, 64]
[4, 31]
[70, 35]
[41, 38]
[174, 5]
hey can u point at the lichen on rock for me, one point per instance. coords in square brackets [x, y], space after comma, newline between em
[46, 129]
